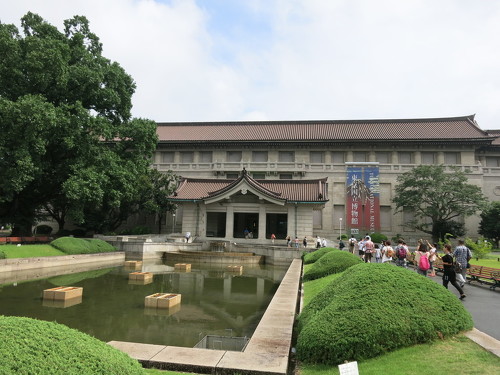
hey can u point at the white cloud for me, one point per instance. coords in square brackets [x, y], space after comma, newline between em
[297, 59]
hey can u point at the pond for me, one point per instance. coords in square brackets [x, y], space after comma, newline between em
[214, 302]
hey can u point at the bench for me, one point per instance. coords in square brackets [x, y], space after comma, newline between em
[481, 273]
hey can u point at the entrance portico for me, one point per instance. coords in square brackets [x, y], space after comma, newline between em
[249, 208]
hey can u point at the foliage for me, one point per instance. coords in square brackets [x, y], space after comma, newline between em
[69, 146]
[138, 230]
[72, 279]
[378, 237]
[316, 254]
[43, 229]
[2, 255]
[313, 287]
[30, 251]
[71, 245]
[436, 197]
[490, 222]
[333, 261]
[375, 308]
[423, 359]
[30, 346]
[479, 248]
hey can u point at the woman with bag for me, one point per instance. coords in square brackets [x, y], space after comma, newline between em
[449, 274]
[422, 260]
[432, 258]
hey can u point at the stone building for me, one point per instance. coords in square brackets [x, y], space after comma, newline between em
[259, 174]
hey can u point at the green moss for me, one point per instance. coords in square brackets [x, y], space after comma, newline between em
[333, 261]
[66, 280]
[30, 346]
[372, 309]
[71, 245]
[316, 254]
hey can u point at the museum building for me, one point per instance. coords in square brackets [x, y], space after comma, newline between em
[313, 178]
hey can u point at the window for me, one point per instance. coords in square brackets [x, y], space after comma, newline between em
[428, 157]
[452, 158]
[205, 156]
[360, 156]
[383, 157]
[317, 157]
[259, 176]
[493, 161]
[317, 219]
[338, 157]
[186, 157]
[233, 156]
[405, 157]
[167, 157]
[259, 156]
[286, 176]
[286, 156]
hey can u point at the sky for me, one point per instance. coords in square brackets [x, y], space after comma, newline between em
[253, 60]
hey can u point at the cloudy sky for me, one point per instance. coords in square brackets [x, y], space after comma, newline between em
[234, 60]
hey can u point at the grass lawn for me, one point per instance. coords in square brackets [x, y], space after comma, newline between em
[29, 251]
[457, 355]
[491, 260]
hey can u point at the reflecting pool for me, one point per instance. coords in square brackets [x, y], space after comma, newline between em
[214, 302]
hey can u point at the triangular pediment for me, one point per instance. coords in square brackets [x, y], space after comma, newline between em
[245, 186]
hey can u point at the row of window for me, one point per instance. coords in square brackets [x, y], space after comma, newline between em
[336, 157]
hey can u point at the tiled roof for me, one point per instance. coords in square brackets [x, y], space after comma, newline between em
[196, 189]
[452, 128]
[494, 133]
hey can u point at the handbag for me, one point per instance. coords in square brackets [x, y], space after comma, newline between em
[457, 266]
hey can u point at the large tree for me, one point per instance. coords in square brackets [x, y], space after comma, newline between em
[68, 142]
[437, 197]
[489, 226]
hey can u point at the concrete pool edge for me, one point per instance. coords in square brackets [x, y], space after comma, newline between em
[267, 352]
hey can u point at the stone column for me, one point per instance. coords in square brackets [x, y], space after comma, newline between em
[229, 222]
[262, 221]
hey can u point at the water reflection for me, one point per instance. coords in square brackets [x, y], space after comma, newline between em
[213, 302]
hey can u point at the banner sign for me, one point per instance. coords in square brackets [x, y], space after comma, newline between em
[363, 199]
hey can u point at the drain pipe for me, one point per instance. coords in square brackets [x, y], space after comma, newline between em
[295, 219]
[197, 219]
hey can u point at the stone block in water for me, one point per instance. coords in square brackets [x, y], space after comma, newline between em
[62, 303]
[235, 269]
[183, 267]
[62, 293]
[133, 264]
[162, 300]
[143, 276]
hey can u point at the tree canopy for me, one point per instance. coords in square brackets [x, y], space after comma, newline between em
[68, 144]
[437, 197]
[490, 222]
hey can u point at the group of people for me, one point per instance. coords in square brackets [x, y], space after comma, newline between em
[455, 263]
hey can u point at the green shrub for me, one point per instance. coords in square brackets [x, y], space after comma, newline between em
[333, 261]
[71, 245]
[79, 232]
[43, 229]
[378, 237]
[316, 254]
[479, 249]
[30, 346]
[2, 255]
[374, 308]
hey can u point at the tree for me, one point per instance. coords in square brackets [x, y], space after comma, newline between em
[437, 197]
[490, 222]
[68, 142]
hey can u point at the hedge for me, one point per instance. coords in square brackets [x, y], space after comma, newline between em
[316, 254]
[30, 346]
[375, 308]
[71, 245]
[333, 261]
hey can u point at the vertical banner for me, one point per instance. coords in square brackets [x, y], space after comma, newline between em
[354, 209]
[372, 201]
[363, 199]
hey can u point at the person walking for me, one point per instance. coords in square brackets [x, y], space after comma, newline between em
[462, 255]
[378, 254]
[318, 242]
[361, 248]
[273, 237]
[352, 244]
[304, 242]
[422, 259]
[449, 275]
[401, 253]
[387, 252]
[432, 258]
[369, 246]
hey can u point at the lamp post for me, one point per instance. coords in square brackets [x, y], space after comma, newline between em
[173, 223]
[340, 229]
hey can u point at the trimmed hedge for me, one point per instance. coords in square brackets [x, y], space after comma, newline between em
[374, 308]
[316, 254]
[71, 245]
[30, 346]
[333, 261]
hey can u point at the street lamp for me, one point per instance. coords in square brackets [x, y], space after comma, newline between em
[340, 229]
[173, 223]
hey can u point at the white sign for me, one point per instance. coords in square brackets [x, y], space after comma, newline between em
[354, 231]
[350, 368]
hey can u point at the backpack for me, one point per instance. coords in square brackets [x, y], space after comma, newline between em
[401, 252]
[423, 263]
[389, 252]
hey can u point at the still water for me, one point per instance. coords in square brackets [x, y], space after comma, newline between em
[214, 302]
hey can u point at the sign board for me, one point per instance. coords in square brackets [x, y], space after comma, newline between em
[354, 231]
[350, 368]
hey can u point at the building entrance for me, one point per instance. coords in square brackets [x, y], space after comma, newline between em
[277, 224]
[246, 225]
